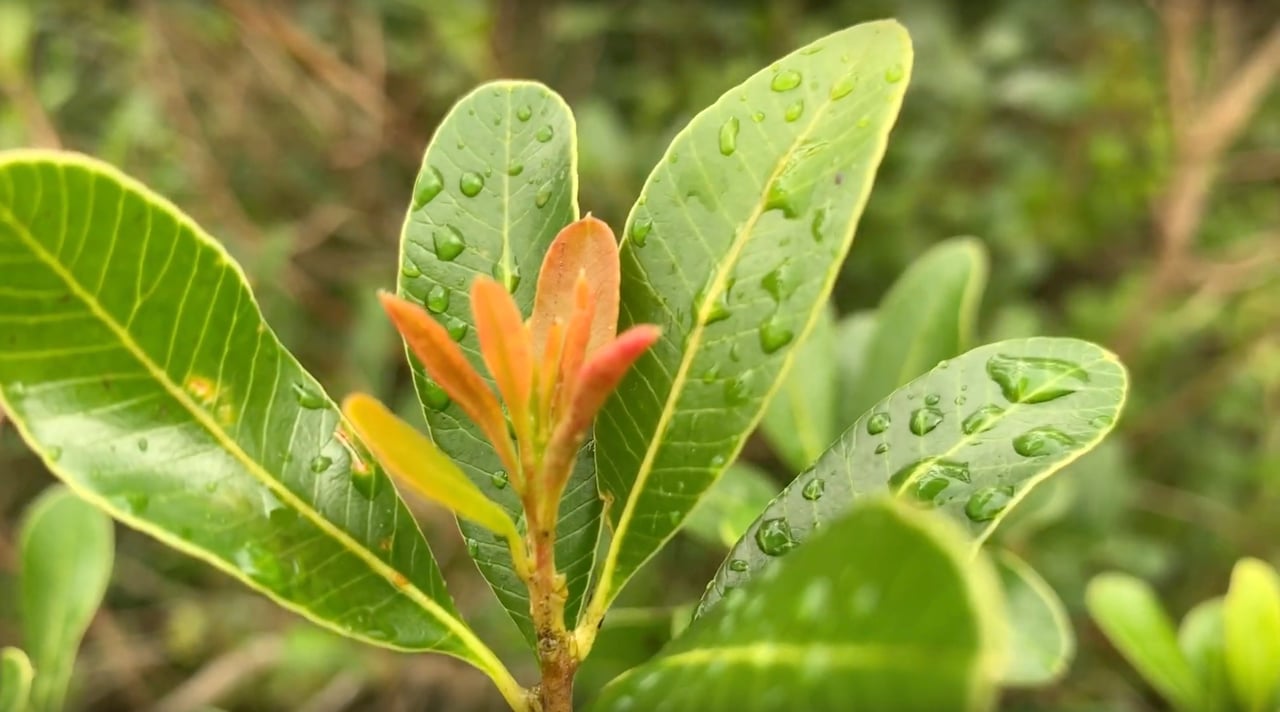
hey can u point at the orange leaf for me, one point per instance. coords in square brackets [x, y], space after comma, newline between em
[446, 364]
[504, 343]
[585, 246]
[577, 338]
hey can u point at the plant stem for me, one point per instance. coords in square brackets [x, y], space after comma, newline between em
[557, 651]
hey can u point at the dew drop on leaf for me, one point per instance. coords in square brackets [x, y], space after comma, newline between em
[780, 282]
[774, 537]
[429, 185]
[924, 420]
[142, 445]
[544, 134]
[843, 87]
[882, 448]
[1030, 379]
[1043, 441]
[932, 399]
[864, 122]
[515, 169]
[758, 117]
[435, 397]
[818, 227]
[456, 327]
[928, 479]
[987, 503]
[735, 390]
[308, 398]
[729, 136]
[981, 420]
[813, 489]
[542, 197]
[739, 565]
[895, 73]
[524, 113]
[448, 243]
[878, 423]
[366, 481]
[438, 299]
[775, 334]
[499, 479]
[320, 463]
[410, 270]
[471, 183]
[473, 547]
[1101, 421]
[794, 111]
[785, 80]
[640, 230]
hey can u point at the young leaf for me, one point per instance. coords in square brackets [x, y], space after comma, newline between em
[15, 680]
[728, 508]
[800, 420]
[927, 316]
[1202, 640]
[732, 249]
[970, 438]
[136, 363]
[1042, 642]
[883, 611]
[497, 183]
[66, 552]
[1251, 616]
[1130, 615]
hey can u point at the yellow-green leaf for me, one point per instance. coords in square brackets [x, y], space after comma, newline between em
[1251, 614]
[15, 680]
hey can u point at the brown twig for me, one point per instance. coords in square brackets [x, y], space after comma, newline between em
[222, 675]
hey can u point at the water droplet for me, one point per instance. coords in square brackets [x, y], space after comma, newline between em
[320, 463]
[456, 327]
[509, 275]
[882, 448]
[736, 389]
[739, 565]
[428, 186]
[819, 224]
[524, 113]
[438, 299]
[733, 353]
[640, 230]
[410, 270]
[843, 87]
[895, 73]
[1101, 421]
[543, 196]
[781, 282]
[878, 423]
[499, 479]
[987, 503]
[774, 537]
[366, 481]
[143, 445]
[515, 169]
[932, 399]
[813, 489]
[1031, 379]
[929, 478]
[544, 134]
[716, 461]
[435, 397]
[758, 117]
[473, 547]
[794, 111]
[982, 419]
[729, 136]
[960, 400]
[258, 563]
[1043, 441]
[774, 334]
[138, 502]
[308, 398]
[471, 183]
[785, 80]
[448, 243]
[924, 420]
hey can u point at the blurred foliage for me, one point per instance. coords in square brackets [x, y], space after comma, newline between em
[1062, 134]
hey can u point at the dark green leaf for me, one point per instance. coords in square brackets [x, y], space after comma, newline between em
[136, 363]
[732, 249]
[800, 420]
[497, 184]
[67, 549]
[1041, 641]
[882, 611]
[927, 316]
[970, 438]
[732, 503]
[15, 680]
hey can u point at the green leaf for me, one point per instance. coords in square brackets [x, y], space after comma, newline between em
[927, 316]
[15, 680]
[1041, 640]
[800, 420]
[1251, 617]
[1202, 640]
[971, 438]
[497, 184]
[732, 249]
[1128, 612]
[852, 341]
[729, 507]
[136, 363]
[883, 611]
[67, 549]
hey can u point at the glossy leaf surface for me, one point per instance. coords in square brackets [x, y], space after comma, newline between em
[969, 438]
[728, 508]
[732, 249]
[1041, 642]
[1251, 618]
[136, 363]
[1133, 620]
[66, 549]
[15, 680]
[497, 183]
[800, 420]
[927, 316]
[905, 622]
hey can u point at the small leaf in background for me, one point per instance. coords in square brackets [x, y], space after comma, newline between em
[969, 438]
[1128, 612]
[15, 680]
[733, 502]
[906, 621]
[1251, 616]
[732, 249]
[800, 420]
[66, 550]
[1041, 642]
[497, 183]
[1202, 639]
[928, 315]
[852, 341]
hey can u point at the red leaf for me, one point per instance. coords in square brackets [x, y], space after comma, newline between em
[504, 344]
[585, 247]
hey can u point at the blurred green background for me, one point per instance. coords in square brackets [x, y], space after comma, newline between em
[1119, 159]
